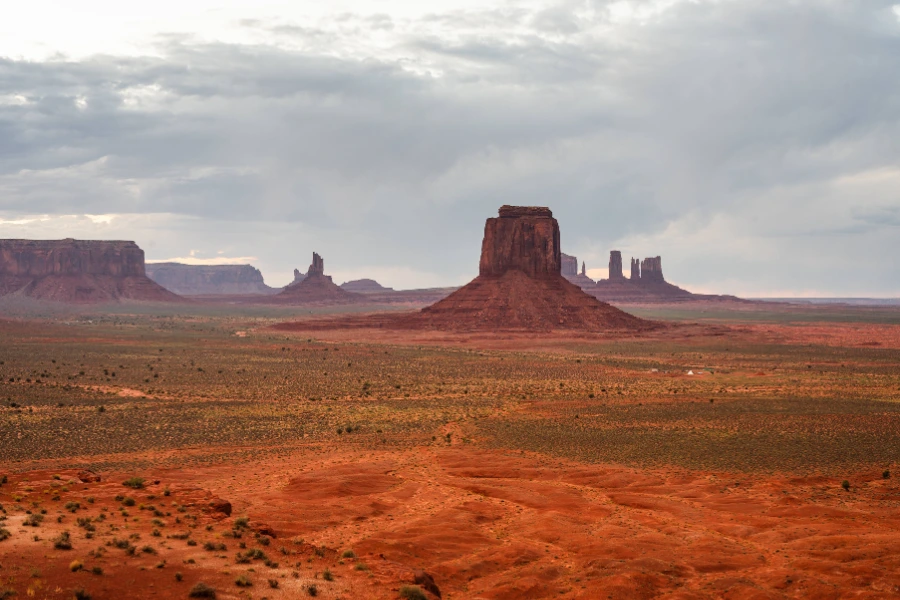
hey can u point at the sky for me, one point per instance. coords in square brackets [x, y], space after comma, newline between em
[753, 144]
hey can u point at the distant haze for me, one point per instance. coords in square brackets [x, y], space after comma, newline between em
[754, 145]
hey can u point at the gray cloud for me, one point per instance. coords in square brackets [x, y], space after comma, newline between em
[656, 136]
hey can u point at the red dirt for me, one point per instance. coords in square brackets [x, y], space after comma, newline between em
[484, 524]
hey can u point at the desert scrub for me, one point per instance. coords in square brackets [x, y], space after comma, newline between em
[4, 534]
[348, 554]
[62, 541]
[134, 482]
[201, 590]
[328, 575]
[412, 592]
[312, 590]
[33, 520]
[242, 581]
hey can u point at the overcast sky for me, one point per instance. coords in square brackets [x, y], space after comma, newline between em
[754, 144]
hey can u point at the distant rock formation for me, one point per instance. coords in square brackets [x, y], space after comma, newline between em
[520, 286]
[77, 271]
[569, 265]
[646, 284]
[316, 288]
[651, 270]
[189, 280]
[365, 286]
[615, 266]
[298, 276]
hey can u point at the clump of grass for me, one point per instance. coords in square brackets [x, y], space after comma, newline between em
[412, 592]
[201, 590]
[134, 482]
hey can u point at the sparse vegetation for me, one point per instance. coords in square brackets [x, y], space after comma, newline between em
[201, 590]
[412, 592]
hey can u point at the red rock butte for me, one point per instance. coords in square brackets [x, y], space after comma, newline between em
[77, 271]
[520, 286]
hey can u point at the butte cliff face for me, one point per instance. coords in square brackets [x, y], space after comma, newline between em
[520, 285]
[316, 288]
[77, 271]
[188, 280]
[615, 266]
[646, 283]
[569, 266]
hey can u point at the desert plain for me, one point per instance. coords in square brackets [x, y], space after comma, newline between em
[738, 451]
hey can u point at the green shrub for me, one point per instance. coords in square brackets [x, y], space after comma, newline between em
[412, 592]
[134, 482]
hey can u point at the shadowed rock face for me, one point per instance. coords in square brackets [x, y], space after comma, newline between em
[651, 270]
[77, 271]
[522, 238]
[212, 279]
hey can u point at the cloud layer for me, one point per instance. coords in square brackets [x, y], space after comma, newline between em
[753, 144]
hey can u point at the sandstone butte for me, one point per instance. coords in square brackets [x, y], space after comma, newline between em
[520, 285]
[316, 288]
[77, 271]
[189, 280]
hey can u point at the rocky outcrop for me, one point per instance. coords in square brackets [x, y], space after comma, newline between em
[615, 266]
[316, 288]
[520, 285]
[365, 286]
[651, 270]
[522, 238]
[190, 280]
[635, 270]
[298, 276]
[569, 265]
[77, 271]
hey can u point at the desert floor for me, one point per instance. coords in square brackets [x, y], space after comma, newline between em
[742, 452]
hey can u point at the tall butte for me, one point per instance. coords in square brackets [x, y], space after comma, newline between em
[520, 286]
[315, 288]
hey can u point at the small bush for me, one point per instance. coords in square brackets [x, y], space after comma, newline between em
[412, 592]
[76, 565]
[886, 474]
[4, 534]
[327, 575]
[213, 546]
[845, 484]
[242, 581]
[201, 590]
[273, 583]
[62, 542]
[178, 576]
[242, 522]
[97, 570]
[312, 590]
[348, 554]
[128, 502]
[33, 520]
[134, 482]
[80, 594]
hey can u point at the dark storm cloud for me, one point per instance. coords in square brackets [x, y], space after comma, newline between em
[752, 112]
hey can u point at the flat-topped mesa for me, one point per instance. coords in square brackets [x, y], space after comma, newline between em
[77, 271]
[39, 258]
[317, 267]
[615, 265]
[189, 280]
[651, 270]
[522, 238]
